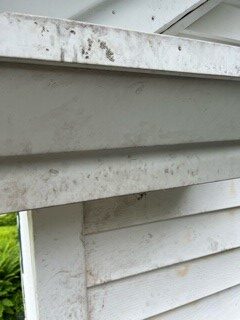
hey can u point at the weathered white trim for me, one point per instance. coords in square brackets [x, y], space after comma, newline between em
[44, 40]
[60, 263]
[28, 264]
[233, 2]
[208, 37]
[39, 181]
[190, 18]
[220, 25]
[52, 110]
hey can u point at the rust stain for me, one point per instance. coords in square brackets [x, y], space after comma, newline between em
[182, 271]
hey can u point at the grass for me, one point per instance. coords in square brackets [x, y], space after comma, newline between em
[8, 234]
[11, 305]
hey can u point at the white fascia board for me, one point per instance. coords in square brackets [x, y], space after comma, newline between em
[39, 182]
[31, 39]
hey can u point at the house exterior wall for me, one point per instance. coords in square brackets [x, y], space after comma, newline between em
[170, 254]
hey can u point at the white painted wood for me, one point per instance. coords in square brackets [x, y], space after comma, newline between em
[28, 266]
[60, 263]
[206, 37]
[122, 253]
[57, 9]
[40, 182]
[118, 212]
[61, 41]
[219, 25]
[224, 305]
[222, 21]
[140, 15]
[55, 110]
[147, 16]
[233, 2]
[193, 16]
[151, 293]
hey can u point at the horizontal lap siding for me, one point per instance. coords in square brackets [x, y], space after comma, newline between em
[118, 212]
[158, 291]
[224, 305]
[150, 253]
[121, 253]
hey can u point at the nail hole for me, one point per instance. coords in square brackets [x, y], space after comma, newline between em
[153, 18]
[113, 11]
[179, 48]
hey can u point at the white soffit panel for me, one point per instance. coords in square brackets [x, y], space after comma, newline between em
[57, 9]
[222, 24]
[140, 15]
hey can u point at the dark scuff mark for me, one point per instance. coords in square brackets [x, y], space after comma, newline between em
[62, 54]
[75, 58]
[90, 42]
[141, 195]
[109, 52]
[53, 171]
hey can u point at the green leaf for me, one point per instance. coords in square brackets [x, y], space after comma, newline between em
[1, 309]
[8, 303]
[9, 310]
[11, 302]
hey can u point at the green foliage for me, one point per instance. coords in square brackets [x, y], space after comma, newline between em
[9, 219]
[11, 304]
[8, 234]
